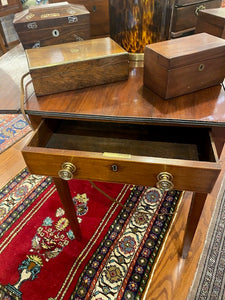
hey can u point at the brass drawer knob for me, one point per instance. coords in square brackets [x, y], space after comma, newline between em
[67, 171]
[164, 181]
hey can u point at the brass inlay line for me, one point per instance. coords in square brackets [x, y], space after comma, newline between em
[51, 15]
[116, 155]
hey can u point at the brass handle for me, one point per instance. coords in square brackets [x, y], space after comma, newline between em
[67, 171]
[200, 7]
[164, 181]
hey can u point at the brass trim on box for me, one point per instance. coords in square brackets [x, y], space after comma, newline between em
[136, 56]
[116, 155]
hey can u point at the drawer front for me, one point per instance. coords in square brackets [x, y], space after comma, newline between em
[45, 37]
[186, 176]
[95, 165]
[185, 16]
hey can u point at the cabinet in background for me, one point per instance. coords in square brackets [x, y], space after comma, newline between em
[185, 13]
[99, 15]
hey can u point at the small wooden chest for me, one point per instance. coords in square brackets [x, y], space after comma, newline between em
[52, 24]
[76, 65]
[212, 21]
[180, 66]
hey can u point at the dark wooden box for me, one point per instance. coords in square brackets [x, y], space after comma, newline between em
[212, 21]
[76, 65]
[180, 66]
[52, 24]
[185, 14]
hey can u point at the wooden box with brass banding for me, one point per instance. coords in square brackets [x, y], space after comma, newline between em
[76, 65]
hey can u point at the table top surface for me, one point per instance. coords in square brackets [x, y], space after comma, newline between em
[124, 101]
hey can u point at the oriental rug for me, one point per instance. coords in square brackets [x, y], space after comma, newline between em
[209, 281]
[12, 129]
[121, 239]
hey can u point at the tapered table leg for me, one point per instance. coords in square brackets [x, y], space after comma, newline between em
[65, 196]
[197, 204]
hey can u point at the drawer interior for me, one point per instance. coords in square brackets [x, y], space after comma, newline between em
[133, 139]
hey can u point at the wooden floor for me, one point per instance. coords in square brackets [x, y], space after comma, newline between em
[173, 276]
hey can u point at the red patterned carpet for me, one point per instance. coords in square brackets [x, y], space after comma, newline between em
[12, 129]
[41, 259]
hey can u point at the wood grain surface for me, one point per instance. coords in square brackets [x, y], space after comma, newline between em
[76, 65]
[127, 101]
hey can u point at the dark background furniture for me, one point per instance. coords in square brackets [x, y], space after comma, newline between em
[185, 13]
[7, 7]
[99, 15]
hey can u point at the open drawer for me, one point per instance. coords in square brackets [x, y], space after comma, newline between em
[126, 153]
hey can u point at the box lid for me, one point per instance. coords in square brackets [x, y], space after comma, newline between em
[40, 16]
[214, 15]
[187, 50]
[66, 53]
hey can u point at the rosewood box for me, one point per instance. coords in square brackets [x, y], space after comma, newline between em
[180, 66]
[52, 24]
[76, 65]
[212, 21]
